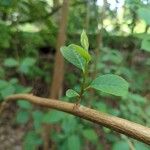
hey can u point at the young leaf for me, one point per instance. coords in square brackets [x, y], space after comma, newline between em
[84, 40]
[111, 84]
[73, 57]
[71, 93]
[81, 51]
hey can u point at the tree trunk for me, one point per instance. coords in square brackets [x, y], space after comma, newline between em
[58, 73]
[99, 38]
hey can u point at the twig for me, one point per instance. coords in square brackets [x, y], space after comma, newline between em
[120, 125]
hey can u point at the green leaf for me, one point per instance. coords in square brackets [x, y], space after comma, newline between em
[123, 145]
[9, 90]
[144, 14]
[101, 106]
[53, 117]
[111, 55]
[137, 98]
[38, 119]
[90, 134]
[145, 44]
[22, 117]
[111, 84]
[26, 64]
[74, 142]
[14, 81]
[141, 146]
[5, 2]
[24, 104]
[3, 84]
[2, 72]
[10, 62]
[71, 93]
[31, 141]
[6, 88]
[81, 51]
[73, 57]
[84, 40]
[21, 89]
[69, 124]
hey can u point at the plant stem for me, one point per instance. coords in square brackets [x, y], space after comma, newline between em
[120, 125]
[83, 84]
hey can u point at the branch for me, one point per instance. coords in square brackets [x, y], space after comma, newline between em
[123, 126]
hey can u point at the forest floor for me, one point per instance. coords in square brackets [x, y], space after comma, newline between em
[11, 135]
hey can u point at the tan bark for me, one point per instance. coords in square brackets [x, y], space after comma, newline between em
[99, 38]
[58, 74]
[120, 125]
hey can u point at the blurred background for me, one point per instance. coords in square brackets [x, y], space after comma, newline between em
[31, 34]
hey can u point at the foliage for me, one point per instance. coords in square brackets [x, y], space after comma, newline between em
[28, 33]
[111, 84]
